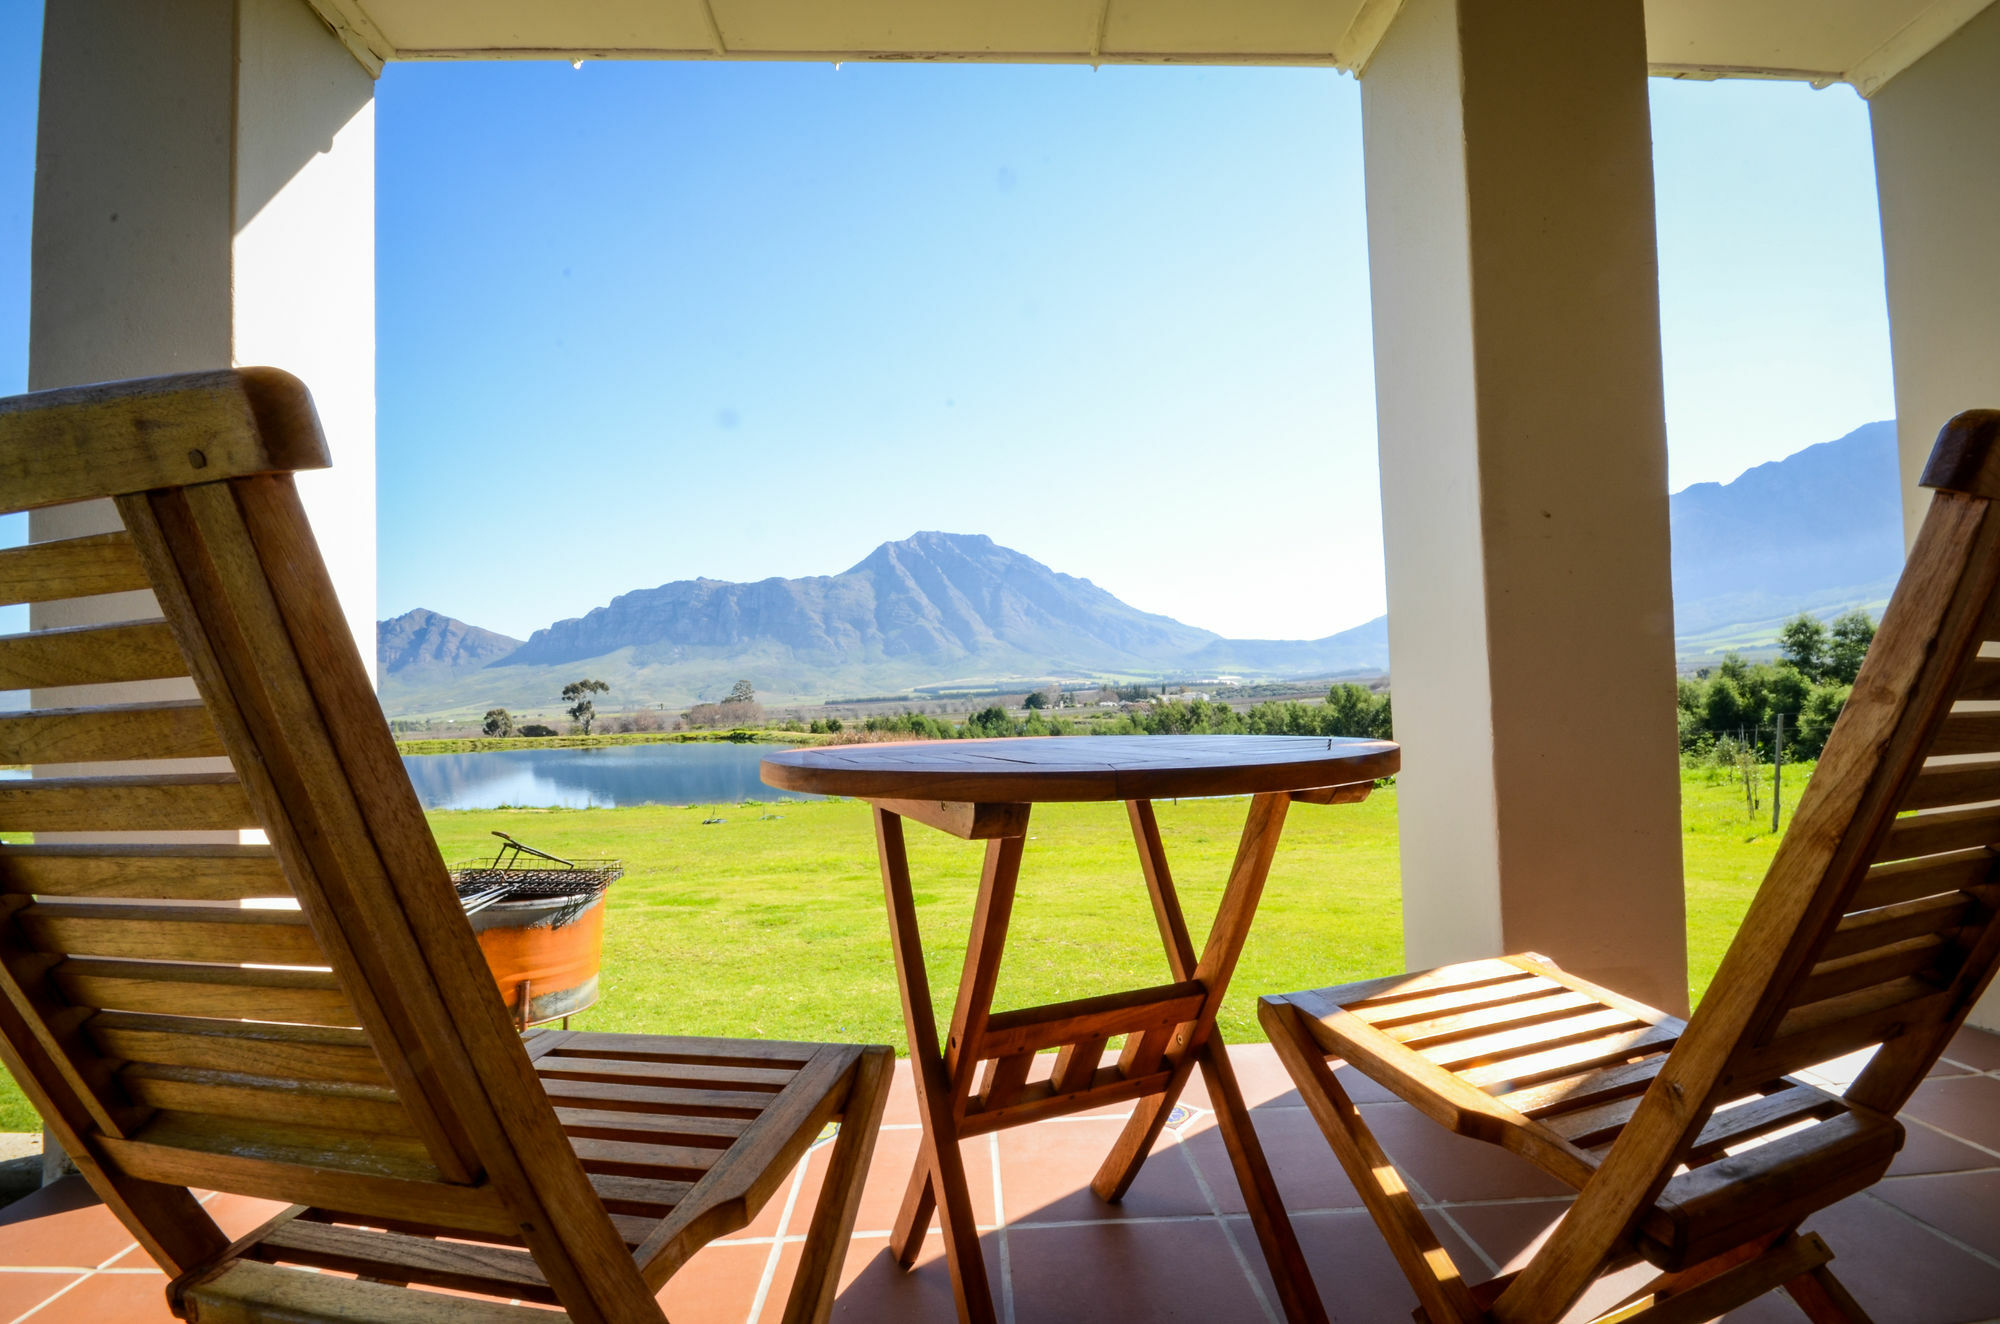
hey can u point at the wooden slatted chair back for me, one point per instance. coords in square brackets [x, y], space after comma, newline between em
[309, 1020]
[1878, 923]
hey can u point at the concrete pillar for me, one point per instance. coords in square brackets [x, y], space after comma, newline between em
[205, 197]
[1937, 172]
[1524, 487]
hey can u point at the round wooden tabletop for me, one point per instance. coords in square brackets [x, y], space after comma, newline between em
[1044, 768]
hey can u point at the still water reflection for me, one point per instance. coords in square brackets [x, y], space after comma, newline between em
[604, 777]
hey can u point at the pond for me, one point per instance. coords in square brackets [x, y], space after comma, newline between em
[602, 778]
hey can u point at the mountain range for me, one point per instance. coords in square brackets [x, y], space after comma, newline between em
[1819, 530]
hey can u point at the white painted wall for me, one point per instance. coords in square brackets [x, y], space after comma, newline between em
[1524, 487]
[1937, 170]
[204, 197]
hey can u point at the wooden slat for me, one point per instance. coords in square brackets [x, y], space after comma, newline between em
[1881, 926]
[295, 1052]
[1560, 1096]
[176, 729]
[653, 1128]
[304, 997]
[1513, 1014]
[626, 1158]
[462, 1266]
[672, 1075]
[171, 933]
[112, 438]
[639, 1197]
[1494, 1052]
[1572, 1058]
[1967, 733]
[1058, 1023]
[1954, 784]
[1003, 1078]
[692, 1103]
[89, 655]
[1929, 875]
[188, 873]
[1390, 1015]
[1077, 1065]
[71, 568]
[1982, 679]
[1875, 966]
[1730, 1127]
[1934, 833]
[370, 1109]
[1352, 794]
[170, 803]
[1363, 997]
[775, 1054]
[248, 1292]
[1819, 1031]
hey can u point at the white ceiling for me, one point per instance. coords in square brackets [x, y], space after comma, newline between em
[1864, 42]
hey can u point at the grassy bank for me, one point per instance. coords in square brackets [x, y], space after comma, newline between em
[770, 923]
[488, 744]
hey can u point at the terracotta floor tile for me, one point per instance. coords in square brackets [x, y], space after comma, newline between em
[1308, 1175]
[1978, 1049]
[21, 1291]
[61, 1225]
[874, 1289]
[1901, 1273]
[765, 1224]
[716, 1286]
[1143, 1271]
[1045, 1173]
[889, 1173]
[1503, 1231]
[238, 1214]
[1966, 1205]
[129, 1298]
[1965, 1106]
[902, 1102]
[1924, 1150]
[1449, 1166]
[1357, 1276]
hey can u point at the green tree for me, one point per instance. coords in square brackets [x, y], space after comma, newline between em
[499, 722]
[1724, 707]
[741, 692]
[577, 695]
[1816, 719]
[1852, 633]
[1036, 700]
[1803, 640]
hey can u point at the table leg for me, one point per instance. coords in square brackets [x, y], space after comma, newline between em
[940, 1157]
[1200, 1043]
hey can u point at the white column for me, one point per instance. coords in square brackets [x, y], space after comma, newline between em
[204, 197]
[1937, 171]
[1524, 487]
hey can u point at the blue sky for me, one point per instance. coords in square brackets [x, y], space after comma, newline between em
[647, 322]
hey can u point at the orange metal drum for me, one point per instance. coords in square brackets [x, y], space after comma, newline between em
[544, 971]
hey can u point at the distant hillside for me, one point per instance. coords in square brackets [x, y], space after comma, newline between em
[1819, 530]
[931, 610]
[430, 644]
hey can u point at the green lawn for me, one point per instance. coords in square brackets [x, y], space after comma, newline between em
[771, 923]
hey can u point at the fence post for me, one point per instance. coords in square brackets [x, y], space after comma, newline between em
[1777, 770]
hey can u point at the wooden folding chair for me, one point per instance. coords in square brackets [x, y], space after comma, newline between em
[349, 1054]
[1690, 1145]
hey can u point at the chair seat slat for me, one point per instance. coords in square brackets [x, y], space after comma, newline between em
[170, 933]
[174, 802]
[71, 568]
[174, 729]
[89, 655]
[192, 873]
[390, 1256]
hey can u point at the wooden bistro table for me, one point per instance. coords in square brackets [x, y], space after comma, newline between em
[979, 1079]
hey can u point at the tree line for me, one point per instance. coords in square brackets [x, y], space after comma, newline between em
[1808, 685]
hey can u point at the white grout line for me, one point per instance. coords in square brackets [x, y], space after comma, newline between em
[1000, 1222]
[1934, 1230]
[778, 1242]
[74, 1284]
[1228, 1234]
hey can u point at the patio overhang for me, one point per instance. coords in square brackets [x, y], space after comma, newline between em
[1862, 42]
[204, 197]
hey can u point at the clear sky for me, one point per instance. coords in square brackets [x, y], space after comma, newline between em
[647, 322]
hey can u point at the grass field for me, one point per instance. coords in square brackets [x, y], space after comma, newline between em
[771, 923]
